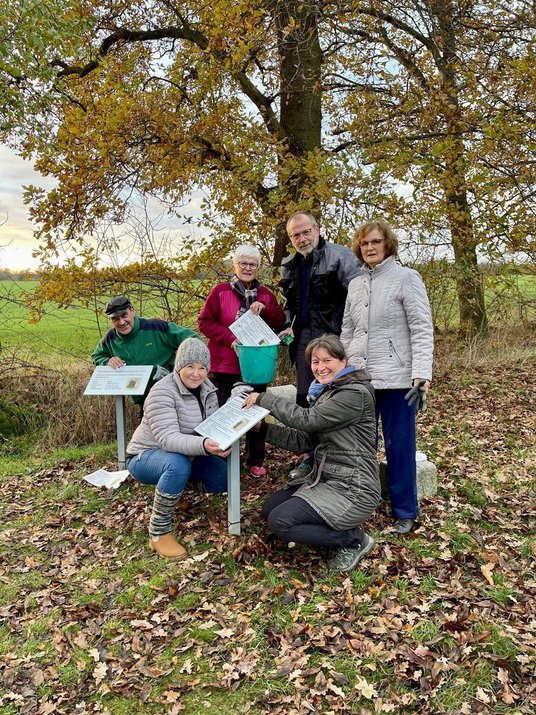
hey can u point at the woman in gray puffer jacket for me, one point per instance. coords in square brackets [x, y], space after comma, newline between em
[327, 507]
[164, 449]
[387, 328]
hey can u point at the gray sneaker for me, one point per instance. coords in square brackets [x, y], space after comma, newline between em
[347, 559]
[301, 471]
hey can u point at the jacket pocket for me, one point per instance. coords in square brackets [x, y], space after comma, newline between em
[334, 470]
[394, 353]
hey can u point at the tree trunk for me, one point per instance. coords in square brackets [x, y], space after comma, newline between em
[300, 58]
[473, 318]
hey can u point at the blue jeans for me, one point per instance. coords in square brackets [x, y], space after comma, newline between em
[398, 425]
[170, 471]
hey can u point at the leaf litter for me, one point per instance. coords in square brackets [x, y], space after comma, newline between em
[442, 621]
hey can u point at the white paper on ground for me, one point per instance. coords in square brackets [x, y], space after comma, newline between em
[104, 478]
[420, 457]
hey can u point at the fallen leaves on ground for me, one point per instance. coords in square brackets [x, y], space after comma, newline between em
[441, 622]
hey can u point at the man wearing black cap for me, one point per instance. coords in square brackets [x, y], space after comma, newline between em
[139, 341]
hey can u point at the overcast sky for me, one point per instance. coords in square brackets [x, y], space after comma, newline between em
[16, 231]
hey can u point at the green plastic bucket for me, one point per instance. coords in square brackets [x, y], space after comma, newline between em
[257, 363]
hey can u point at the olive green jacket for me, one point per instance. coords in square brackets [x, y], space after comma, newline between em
[344, 487]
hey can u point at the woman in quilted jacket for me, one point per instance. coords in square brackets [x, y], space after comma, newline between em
[164, 449]
[387, 328]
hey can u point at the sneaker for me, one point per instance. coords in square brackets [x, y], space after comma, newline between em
[403, 526]
[347, 559]
[257, 472]
[302, 471]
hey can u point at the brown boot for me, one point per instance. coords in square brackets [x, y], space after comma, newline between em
[167, 547]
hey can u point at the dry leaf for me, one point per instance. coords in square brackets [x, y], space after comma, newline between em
[486, 572]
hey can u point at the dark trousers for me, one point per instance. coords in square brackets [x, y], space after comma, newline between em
[398, 425]
[254, 454]
[291, 518]
[304, 378]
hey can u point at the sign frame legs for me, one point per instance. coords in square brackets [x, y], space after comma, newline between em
[121, 422]
[233, 489]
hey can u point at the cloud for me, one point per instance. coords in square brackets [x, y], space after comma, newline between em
[16, 230]
[17, 241]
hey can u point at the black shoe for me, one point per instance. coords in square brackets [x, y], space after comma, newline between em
[404, 526]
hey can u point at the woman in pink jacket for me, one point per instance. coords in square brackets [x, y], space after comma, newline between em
[227, 302]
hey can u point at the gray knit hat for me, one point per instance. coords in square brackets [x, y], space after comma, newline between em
[192, 350]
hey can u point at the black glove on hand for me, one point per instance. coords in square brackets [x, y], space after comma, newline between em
[241, 389]
[417, 394]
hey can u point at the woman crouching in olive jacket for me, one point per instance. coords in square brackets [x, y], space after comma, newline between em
[328, 506]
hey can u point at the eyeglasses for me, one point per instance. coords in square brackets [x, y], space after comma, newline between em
[242, 264]
[305, 234]
[374, 242]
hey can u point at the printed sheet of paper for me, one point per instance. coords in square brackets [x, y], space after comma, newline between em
[126, 380]
[230, 422]
[104, 478]
[250, 329]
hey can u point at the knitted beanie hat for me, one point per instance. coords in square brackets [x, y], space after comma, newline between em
[192, 350]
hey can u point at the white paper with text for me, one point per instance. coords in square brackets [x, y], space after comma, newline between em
[250, 329]
[230, 422]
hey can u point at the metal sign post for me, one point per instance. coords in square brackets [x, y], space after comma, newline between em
[126, 380]
[121, 422]
[233, 489]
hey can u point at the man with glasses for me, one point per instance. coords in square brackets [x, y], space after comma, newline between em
[314, 282]
[139, 341]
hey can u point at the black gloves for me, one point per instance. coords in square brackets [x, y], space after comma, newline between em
[417, 394]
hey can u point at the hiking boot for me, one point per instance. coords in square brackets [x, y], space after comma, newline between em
[167, 547]
[257, 472]
[301, 471]
[347, 559]
[403, 526]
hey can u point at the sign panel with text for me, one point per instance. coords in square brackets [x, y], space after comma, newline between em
[126, 380]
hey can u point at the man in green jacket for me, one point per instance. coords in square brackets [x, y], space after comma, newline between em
[139, 341]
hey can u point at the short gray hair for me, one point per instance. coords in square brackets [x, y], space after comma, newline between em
[247, 250]
[311, 218]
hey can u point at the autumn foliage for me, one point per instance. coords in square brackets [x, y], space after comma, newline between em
[419, 111]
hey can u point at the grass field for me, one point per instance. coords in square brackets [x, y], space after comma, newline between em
[62, 336]
[69, 335]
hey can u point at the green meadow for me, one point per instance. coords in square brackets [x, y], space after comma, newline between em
[69, 335]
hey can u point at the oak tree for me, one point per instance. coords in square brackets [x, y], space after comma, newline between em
[421, 110]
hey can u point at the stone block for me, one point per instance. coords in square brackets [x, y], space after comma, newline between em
[426, 479]
[286, 391]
